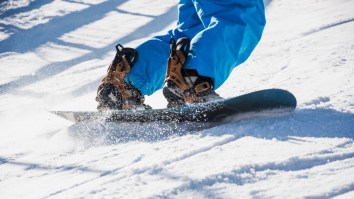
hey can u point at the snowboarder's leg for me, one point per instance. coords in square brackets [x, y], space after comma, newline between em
[229, 31]
[149, 71]
[232, 30]
[148, 74]
[185, 86]
[188, 24]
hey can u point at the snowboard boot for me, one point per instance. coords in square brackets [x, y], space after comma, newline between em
[185, 86]
[115, 93]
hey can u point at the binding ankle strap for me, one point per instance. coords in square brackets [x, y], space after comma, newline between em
[178, 55]
[118, 70]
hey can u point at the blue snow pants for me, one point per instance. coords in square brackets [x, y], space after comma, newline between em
[223, 34]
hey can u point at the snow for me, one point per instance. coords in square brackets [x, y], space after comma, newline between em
[53, 54]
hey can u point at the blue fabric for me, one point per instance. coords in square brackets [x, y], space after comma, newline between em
[223, 34]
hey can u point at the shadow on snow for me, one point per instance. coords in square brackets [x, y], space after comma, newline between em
[59, 26]
[301, 123]
[31, 6]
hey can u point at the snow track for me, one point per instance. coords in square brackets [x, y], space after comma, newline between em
[53, 54]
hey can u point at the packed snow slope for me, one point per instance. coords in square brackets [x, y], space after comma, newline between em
[53, 54]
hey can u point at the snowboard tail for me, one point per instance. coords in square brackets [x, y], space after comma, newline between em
[262, 100]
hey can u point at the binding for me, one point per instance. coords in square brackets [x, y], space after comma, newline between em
[114, 92]
[191, 90]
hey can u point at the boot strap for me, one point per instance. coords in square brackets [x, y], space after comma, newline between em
[178, 56]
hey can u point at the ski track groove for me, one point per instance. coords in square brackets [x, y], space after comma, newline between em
[292, 164]
[152, 168]
[31, 166]
[103, 174]
[201, 150]
[77, 2]
[327, 26]
[344, 190]
[343, 145]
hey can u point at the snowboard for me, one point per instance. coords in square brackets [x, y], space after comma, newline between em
[213, 111]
